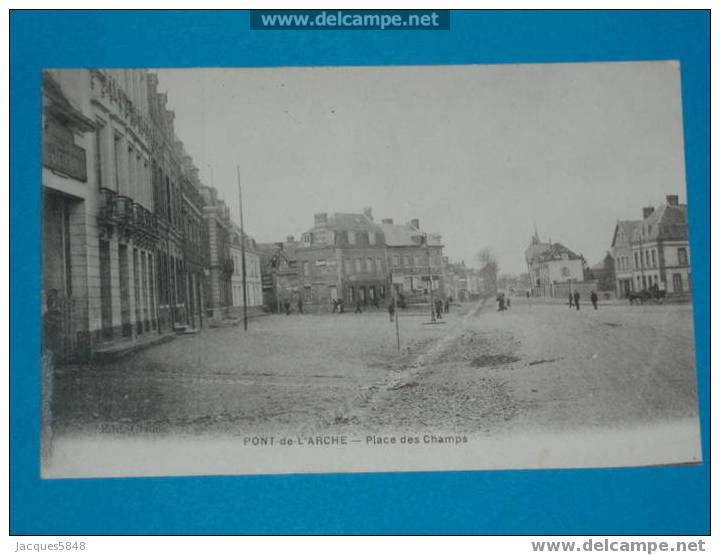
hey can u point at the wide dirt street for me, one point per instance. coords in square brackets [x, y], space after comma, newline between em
[536, 366]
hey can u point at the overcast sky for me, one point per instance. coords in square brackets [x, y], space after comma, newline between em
[477, 153]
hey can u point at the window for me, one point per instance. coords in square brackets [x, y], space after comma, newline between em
[379, 265]
[116, 161]
[396, 261]
[682, 257]
[677, 282]
[351, 237]
[371, 237]
[406, 261]
[654, 260]
[307, 293]
[369, 265]
[637, 265]
[358, 265]
[348, 266]
[306, 268]
[419, 261]
[98, 153]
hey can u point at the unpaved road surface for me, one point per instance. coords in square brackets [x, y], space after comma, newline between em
[534, 367]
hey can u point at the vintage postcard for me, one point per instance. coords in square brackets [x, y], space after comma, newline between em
[362, 269]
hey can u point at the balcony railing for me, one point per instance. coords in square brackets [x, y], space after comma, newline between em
[127, 216]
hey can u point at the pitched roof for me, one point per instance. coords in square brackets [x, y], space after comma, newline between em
[666, 222]
[543, 252]
[627, 227]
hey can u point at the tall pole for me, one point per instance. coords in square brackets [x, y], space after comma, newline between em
[242, 251]
[432, 300]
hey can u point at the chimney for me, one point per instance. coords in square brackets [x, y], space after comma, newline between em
[290, 239]
[321, 218]
[415, 222]
[647, 210]
[387, 220]
[368, 213]
[672, 200]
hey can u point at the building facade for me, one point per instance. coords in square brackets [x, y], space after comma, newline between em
[113, 237]
[415, 260]
[552, 266]
[622, 253]
[220, 229]
[661, 249]
[253, 280]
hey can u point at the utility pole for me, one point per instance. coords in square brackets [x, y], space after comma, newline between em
[242, 251]
[432, 300]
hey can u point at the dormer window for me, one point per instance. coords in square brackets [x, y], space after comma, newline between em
[307, 239]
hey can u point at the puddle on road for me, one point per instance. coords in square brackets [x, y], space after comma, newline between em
[484, 361]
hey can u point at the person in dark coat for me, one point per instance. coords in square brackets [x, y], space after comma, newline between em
[287, 307]
[358, 307]
[576, 296]
[570, 299]
[438, 309]
[447, 306]
[300, 306]
[594, 299]
[391, 310]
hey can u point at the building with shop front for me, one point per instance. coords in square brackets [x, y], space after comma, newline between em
[342, 257]
[114, 237]
[279, 273]
[415, 260]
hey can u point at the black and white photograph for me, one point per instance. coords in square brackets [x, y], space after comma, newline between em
[365, 269]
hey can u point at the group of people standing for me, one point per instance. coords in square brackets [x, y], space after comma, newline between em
[574, 299]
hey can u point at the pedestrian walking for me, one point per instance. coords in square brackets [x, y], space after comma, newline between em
[576, 296]
[447, 306]
[341, 306]
[570, 299]
[300, 306]
[335, 305]
[594, 299]
[391, 310]
[508, 302]
[287, 307]
[358, 307]
[438, 309]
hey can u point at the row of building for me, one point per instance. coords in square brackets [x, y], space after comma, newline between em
[646, 255]
[356, 259]
[134, 243]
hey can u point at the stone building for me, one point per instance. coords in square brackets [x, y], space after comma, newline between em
[414, 260]
[220, 229]
[661, 250]
[342, 257]
[279, 273]
[554, 268]
[113, 236]
[622, 253]
[253, 279]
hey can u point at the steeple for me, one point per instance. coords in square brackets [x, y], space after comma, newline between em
[536, 237]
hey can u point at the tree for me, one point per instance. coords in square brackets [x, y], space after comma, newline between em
[488, 268]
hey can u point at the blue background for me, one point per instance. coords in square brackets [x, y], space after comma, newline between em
[603, 501]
